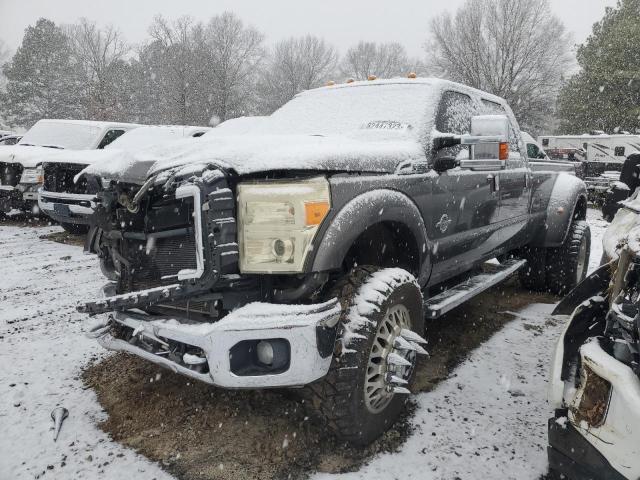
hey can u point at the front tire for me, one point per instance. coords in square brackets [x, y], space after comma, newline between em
[356, 398]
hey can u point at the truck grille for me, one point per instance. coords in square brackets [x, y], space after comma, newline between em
[58, 177]
[10, 173]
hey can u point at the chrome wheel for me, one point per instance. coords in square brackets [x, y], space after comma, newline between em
[378, 390]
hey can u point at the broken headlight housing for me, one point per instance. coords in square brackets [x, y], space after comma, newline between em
[278, 221]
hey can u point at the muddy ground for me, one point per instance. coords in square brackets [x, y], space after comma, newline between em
[198, 432]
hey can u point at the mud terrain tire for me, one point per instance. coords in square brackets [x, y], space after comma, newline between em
[558, 270]
[367, 296]
[567, 265]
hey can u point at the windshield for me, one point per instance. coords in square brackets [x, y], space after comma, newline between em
[144, 137]
[72, 136]
[343, 109]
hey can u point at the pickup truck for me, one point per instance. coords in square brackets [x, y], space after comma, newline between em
[21, 172]
[69, 202]
[313, 251]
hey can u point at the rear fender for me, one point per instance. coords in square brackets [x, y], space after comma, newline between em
[568, 200]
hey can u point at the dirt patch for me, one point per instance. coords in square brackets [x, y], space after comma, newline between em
[199, 432]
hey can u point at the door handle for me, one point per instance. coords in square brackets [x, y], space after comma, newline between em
[494, 183]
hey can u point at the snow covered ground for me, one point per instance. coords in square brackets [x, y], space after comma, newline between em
[42, 350]
[488, 420]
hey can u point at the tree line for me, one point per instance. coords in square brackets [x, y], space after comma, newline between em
[196, 72]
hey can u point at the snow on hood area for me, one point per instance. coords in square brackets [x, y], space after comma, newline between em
[27, 156]
[257, 153]
[365, 126]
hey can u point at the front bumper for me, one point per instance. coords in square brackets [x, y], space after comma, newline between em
[609, 448]
[308, 329]
[67, 207]
[23, 197]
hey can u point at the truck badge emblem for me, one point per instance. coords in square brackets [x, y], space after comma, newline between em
[444, 223]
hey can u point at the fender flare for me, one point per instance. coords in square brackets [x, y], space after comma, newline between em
[362, 212]
[567, 192]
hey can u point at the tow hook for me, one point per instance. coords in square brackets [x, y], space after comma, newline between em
[100, 328]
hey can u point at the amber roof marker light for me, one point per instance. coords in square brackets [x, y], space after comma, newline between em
[372, 78]
[412, 75]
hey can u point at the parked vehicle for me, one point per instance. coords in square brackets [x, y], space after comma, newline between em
[21, 173]
[69, 202]
[304, 253]
[595, 379]
[620, 190]
[9, 140]
[539, 160]
[603, 156]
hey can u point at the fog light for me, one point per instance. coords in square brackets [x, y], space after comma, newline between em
[265, 352]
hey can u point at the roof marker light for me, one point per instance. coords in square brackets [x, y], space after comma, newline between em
[372, 77]
[412, 75]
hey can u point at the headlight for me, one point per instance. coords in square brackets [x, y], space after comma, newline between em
[32, 175]
[277, 223]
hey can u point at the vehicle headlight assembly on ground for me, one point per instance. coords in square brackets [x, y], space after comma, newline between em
[278, 221]
[32, 175]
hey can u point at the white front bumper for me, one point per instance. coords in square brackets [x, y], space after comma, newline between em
[298, 324]
[618, 438]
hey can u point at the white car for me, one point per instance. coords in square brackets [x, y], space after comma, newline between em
[21, 172]
[595, 378]
[71, 203]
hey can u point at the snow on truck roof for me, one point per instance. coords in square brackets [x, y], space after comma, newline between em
[440, 83]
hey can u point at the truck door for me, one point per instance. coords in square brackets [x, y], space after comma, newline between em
[514, 182]
[465, 207]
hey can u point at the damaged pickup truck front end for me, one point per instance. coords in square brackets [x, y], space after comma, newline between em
[172, 251]
[595, 383]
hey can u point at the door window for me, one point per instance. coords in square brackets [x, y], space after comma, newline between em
[454, 117]
[619, 152]
[109, 137]
[532, 150]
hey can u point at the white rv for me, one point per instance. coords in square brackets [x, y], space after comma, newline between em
[612, 149]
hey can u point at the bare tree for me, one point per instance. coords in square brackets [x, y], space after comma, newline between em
[516, 49]
[101, 54]
[295, 65]
[383, 60]
[4, 57]
[235, 53]
[173, 70]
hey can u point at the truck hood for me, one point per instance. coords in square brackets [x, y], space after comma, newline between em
[28, 156]
[367, 151]
[85, 157]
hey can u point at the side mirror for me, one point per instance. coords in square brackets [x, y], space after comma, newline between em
[442, 164]
[492, 133]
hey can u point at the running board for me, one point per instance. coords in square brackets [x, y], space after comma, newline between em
[449, 299]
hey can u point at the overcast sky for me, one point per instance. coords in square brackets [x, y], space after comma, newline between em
[342, 22]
